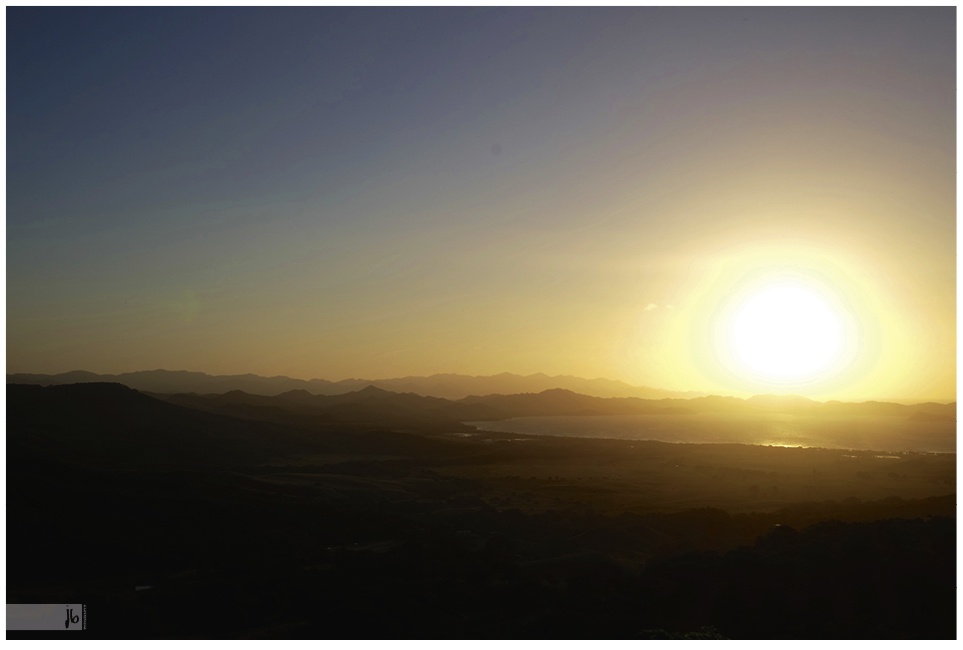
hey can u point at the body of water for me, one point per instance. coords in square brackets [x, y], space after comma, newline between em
[868, 433]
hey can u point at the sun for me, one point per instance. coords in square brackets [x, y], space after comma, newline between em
[786, 332]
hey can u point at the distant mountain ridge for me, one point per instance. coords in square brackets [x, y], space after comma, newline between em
[376, 405]
[447, 386]
[117, 422]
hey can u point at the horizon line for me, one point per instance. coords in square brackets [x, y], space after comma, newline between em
[455, 374]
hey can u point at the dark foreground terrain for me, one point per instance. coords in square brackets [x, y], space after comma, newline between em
[173, 522]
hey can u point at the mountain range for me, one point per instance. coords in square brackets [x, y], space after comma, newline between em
[269, 523]
[448, 386]
[118, 426]
[452, 398]
[376, 406]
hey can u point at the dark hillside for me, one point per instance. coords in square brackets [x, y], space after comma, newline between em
[110, 425]
[181, 523]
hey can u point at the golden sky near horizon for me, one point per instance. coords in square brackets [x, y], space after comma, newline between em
[585, 192]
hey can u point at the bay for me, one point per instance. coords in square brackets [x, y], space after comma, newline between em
[858, 433]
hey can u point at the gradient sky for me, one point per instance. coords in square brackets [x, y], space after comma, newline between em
[380, 192]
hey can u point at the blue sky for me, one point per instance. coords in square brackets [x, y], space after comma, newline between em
[380, 191]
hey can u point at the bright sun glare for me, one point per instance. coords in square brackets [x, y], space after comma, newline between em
[786, 332]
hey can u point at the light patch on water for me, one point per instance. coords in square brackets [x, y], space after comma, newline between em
[893, 434]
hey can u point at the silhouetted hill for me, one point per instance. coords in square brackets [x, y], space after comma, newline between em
[112, 425]
[370, 405]
[559, 401]
[790, 402]
[448, 386]
[454, 387]
[710, 404]
[924, 416]
[374, 405]
[180, 381]
[945, 411]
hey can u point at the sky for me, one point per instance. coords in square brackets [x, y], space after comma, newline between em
[382, 192]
